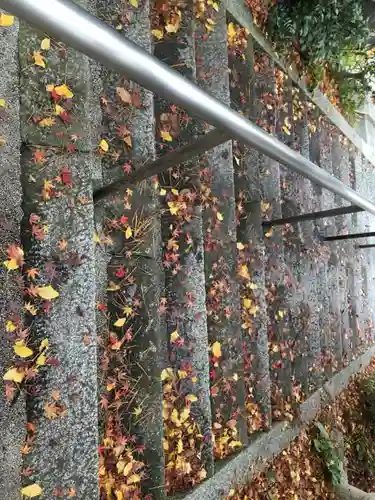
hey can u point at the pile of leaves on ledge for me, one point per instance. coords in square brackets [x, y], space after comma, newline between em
[299, 473]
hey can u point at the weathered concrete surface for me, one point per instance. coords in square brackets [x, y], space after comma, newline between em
[12, 418]
[189, 281]
[250, 233]
[148, 350]
[221, 237]
[64, 454]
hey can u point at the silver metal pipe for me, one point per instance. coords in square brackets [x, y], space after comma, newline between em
[73, 25]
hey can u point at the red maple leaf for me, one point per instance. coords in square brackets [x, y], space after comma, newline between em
[127, 168]
[66, 176]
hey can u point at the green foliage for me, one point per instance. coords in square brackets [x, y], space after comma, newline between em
[320, 29]
[326, 450]
[367, 388]
[332, 32]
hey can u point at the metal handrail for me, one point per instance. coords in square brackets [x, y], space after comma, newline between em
[76, 27]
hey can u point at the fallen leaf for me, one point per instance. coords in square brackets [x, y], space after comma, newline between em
[46, 44]
[240, 246]
[6, 20]
[219, 216]
[191, 397]
[166, 373]
[47, 292]
[128, 141]
[216, 349]
[127, 469]
[128, 232]
[41, 360]
[137, 411]
[63, 91]
[2, 103]
[124, 95]
[244, 272]
[172, 28]
[14, 375]
[10, 326]
[120, 322]
[55, 395]
[30, 308]
[32, 491]
[135, 478]
[21, 350]
[39, 59]
[44, 344]
[158, 34]
[174, 336]
[104, 145]
[134, 3]
[47, 122]
[166, 136]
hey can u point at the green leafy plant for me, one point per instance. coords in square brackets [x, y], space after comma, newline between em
[326, 450]
[331, 40]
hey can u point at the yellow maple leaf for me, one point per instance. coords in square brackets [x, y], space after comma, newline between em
[163, 192]
[6, 20]
[120, 322]
[104, 145]
[180, 446]
[44, 344]
[219, 216]
[158, 34]
[128, 468]
[59, 109]
[247, 303]
[244, 272]
[13, 375]
[21, 350]
[47, 292]
[39, 59]
[112, 287]
[172, 28]
[216, 349]
[231, 32]
[184, 415]
[173, 207]
[10, 326]
[64, 91]
[174, 418]
[166, 136]
[135, 478]
[32, 491]
[11, 264]
[47, 122]
[128, 232]
[174, 336]
[128, 311]
[41, 360]
[166, 373]
[137, 411]
[134, 3]
[46, 44]
[30, 308]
